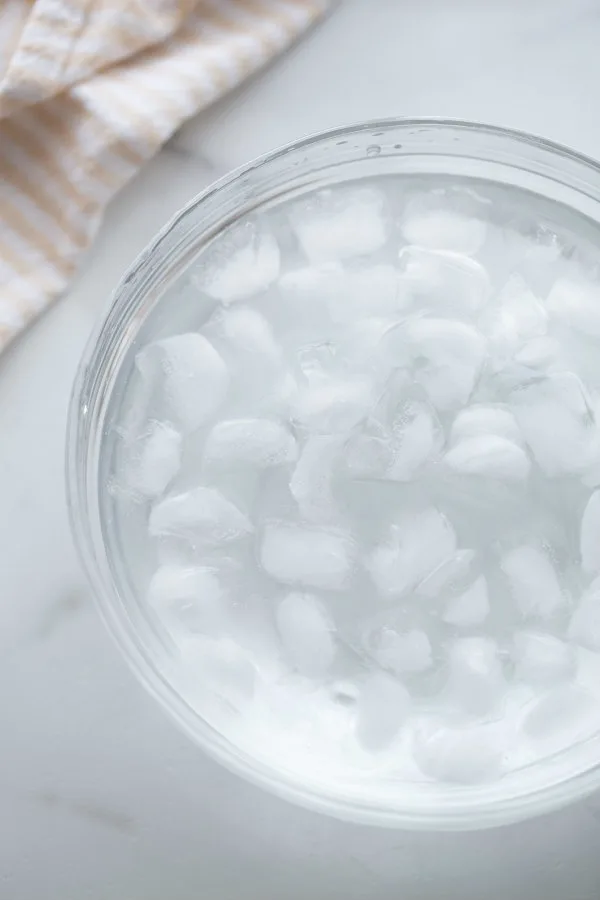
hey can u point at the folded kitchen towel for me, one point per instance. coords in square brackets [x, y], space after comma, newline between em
[89, 90]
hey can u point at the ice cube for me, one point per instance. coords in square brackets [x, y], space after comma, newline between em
[336, 224]
[311, 482]
[332, 405]
[187, 596]
[561, 717]
[155, 460]
[584, 627]
[245, 269]
[478, 419]
[533, 582]
[368, 454]
[195, 377]
[249, 333]
[430, 220]
[347, 294]
[542, 658]
[557, 422]
[539, 353]
[576, 303]
[307, 633]
[450, 356]
[491, 456]
[468, 755]
[475, 680]
[401, 652]
[417, 437]
[218, 667]
[445, 281]
[589, 540]
[414, 548]
[382, 708]
[254, 442]
[315, 557]
[470, 607]
[451, 570]
[201, 514]
[516, 317]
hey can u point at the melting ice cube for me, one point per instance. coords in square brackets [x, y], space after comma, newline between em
[437, 221]
[533, 581]
[247, 266]
[470, 607]
[191, 597]
[542, 658]
[475, 682]
[489, 455]
[382, 708]
[467, 755]
[311, 482]
[201, 514]
[417, 437]
[254, 442]
[557, 422]
[332, 405]
[413, 549]
[585, 623]
[450, 355]
[336, 224]
[589, 540]
[401, 652]
[576, 303]
[315, 557]
[479, 419]
[307, 633]
[195, 378]
[155, 460]
[448, 282]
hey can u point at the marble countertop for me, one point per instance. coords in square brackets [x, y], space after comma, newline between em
[102, 798]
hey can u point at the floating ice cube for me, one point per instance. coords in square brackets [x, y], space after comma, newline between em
[576, 303]
[382, 708]
[489, 455]
[533, 582]
[557, 422]
[155, 460]
[191, 597]
[542, 658]
[445, 281]
[307, 633]
[219, 667]
[244, 269]
[468, 755]
[249, 333]
[417, 437]
[201, 514]
[346, 294]
[336, 224]
[414, 548]
[430, 221]
[255, 442]
[516, 317]
[451, 570]
[315, 557]
[368, 454]
[584, 627]
[311, 482]
[562, 717]
[589, 539]
[195, 378]
[332, 405]
[478, 419]
[401, 652]
[470, 607]
[475, 681]
[450, 354]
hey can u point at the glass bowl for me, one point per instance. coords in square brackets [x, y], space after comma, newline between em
[508, 159]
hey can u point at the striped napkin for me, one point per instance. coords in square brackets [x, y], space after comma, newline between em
[89, 90]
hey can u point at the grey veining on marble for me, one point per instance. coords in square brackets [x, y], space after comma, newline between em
[101, 797]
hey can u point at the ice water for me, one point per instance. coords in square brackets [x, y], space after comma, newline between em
[354, 478]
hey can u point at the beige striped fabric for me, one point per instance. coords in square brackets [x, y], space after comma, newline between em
[89, 90]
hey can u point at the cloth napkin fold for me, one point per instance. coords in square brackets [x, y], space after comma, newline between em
[89, 90]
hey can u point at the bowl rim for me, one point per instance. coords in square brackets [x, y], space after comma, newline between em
[460, 817]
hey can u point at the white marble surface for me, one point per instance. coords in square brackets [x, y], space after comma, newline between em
[101, 797]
